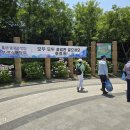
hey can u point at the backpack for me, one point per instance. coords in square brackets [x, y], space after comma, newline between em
[78, 70]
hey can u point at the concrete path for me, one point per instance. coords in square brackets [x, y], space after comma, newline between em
[57, 106]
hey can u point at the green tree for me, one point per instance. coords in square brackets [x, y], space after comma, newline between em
[29, 18]
[8, 21]
[49, 19]
[86, 18]
[114, 25]
[58, 20]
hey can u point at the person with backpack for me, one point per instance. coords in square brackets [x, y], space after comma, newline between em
[80, 68]
[127, 72]
[103, 72]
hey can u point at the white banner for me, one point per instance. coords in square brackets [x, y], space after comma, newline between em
[14, 50]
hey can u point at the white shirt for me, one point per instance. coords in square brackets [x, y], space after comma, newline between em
[102, 68]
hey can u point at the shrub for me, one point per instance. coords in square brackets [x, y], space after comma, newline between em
[60, 70]
[110, 67]
[5, 76]
[120, 66]
[87, 69]
[33, 70]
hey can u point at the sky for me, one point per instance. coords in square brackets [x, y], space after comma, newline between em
[105, 4]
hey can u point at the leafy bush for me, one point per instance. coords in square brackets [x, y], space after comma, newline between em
[87, 69]
[120, 66]
[33, 70]
[5, 76]
[60, 70]
[110, 67]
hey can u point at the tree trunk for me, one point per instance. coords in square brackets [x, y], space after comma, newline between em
[125, 52]
[59, 40]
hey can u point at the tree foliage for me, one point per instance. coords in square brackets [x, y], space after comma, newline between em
[8, 20]
[87, 16]
[49, 19]
[114, 25]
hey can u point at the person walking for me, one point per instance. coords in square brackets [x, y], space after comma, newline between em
[127, 72]
[81, 67]
[103, 72]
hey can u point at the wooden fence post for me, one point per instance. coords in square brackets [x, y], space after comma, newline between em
[93, 57]
[70, 61]
[17, 62]
[114, 56]
[47, 63]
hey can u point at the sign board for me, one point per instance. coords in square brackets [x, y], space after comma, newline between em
[14, 50]
[104, 49]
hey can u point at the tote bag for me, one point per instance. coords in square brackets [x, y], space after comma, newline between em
[108, 86]
[123, 77]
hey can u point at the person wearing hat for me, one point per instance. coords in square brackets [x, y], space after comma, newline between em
[80, 77]
[127, 72]
[103, 72]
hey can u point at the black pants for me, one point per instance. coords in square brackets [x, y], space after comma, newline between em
[103, 79]
[128, 90]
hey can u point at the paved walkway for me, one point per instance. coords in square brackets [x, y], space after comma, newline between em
[57, 106]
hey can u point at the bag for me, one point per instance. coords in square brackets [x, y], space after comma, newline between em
[108, 86]
[123, 77]
[78, 70]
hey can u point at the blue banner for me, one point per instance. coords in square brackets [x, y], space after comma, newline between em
[14, 50]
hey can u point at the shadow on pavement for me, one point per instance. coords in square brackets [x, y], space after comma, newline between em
[85, 91]
[108, 95]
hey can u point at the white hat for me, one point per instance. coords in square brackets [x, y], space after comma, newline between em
[80, 60]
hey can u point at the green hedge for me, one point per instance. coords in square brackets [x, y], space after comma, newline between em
[120, 66]
[60, 70]
[33, 70]
[110, 67]
[5, 76]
